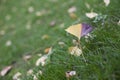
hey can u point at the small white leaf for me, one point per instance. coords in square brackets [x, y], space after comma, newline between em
[91, 15]
[72, 9]
[8, 43]
[41, 60]
[70, 74]
[107, 2]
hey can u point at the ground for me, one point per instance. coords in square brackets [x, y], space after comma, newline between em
[28, 27]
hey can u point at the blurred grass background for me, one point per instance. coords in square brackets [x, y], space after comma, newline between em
[25, 23]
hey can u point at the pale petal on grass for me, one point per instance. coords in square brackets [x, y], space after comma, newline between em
[8, 43]
[91, 15]
[5, 70]
[107, 2]
[17, 76]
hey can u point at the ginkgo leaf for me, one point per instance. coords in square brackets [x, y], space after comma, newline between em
[75, 30]
[79, 30]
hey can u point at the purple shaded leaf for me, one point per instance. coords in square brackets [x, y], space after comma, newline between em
[86, 28]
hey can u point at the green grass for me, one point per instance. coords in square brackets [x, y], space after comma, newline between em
[102, 52]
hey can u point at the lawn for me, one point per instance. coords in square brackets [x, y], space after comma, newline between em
[30, 27]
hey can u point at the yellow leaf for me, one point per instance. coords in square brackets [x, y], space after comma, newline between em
[75, 30]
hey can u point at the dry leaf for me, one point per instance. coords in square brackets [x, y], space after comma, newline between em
[47, 50]
[107, 2]
[91, 15]
[72, 9]
[45, 36]
[73, 15]
[41, 60]
[17, 76]
[44, 59]
[70, 74]
[5, 70]
[30, 72]
[75, 30]
[79, 30]
[61, 43]
[27, 57]
[75, 51]
[35, 77]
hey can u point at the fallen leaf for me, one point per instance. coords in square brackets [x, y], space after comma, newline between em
[47, 50]
[8, 43]
[30, 72]
[35, 77]
[27, 57]
[70, 74]
[44, 59]
[52, 23]
[61, 43]
[73, 15]
[91, 15]
[118, 23]
[41, 60]
[5, 70]
[72, 9]
[75, 51]
[17, 76]
[107, 2]
[79, 30]
[45, 36]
